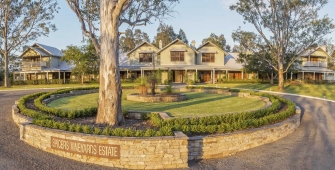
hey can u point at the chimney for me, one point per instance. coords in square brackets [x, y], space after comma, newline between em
[193, 43]
[160, 44]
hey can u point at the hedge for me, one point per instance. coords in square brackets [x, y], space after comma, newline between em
[199, 125]
[87, 112]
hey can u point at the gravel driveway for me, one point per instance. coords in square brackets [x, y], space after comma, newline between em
[311, 146]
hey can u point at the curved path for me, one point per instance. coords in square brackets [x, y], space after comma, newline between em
[311, 146]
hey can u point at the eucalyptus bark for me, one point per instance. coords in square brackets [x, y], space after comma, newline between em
[110, 91]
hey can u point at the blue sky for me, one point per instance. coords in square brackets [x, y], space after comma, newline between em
[197, 18]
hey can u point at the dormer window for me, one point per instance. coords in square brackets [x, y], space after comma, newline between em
[177, 55]
[208, 57]
[145, 57]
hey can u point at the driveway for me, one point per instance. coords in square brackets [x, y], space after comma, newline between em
[311, 146]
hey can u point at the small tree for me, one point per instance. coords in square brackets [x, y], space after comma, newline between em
[22, 21]
[84, 59]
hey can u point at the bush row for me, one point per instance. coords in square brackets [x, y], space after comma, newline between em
[108, 131]
[87, 112]
[230, 122]
[224, 80]
[29, 112]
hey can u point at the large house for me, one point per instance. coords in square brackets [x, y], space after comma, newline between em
[208, 63]
[42, 62]
[314, 65]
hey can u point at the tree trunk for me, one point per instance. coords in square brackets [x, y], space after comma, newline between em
[82, 78]
[110, 92]
[281, 78]
[6, 78]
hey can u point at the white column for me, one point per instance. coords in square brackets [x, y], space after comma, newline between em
[303, 75]
[64, 77]
[196, 73]
[59, 75]
[334, 76]
[314, 75]
[227, 75]
[24, 76]
[291, 75]
[127, 73]
[47, 75]
[212, 76]
[141, 73]
[242, 75]
[324, 76]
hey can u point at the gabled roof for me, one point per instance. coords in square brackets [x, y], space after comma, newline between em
[51, 50]
[230, 61]
[43, 50]
[208, 42]
[311, 51]
[176, 40]
[140, 46]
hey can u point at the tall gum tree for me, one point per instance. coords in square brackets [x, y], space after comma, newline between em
[282, 27]
[111, 14]
[22, 21]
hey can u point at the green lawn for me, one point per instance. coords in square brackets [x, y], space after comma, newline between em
[315, 90]
[197, 104]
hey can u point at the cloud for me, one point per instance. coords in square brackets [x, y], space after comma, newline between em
[227, 3]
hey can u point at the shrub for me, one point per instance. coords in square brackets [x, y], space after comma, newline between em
[168, 89]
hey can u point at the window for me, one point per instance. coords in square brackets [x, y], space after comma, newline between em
[177, 56]
[145, 57]
[208, 57]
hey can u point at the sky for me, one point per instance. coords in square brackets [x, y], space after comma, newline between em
[197, 18]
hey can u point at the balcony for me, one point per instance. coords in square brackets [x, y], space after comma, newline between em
[314, 64]
[34, 64]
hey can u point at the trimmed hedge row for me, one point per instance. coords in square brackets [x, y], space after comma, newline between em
[87, 112]
[29, 112]
[230, 122]
[203, 125]
[107, 131]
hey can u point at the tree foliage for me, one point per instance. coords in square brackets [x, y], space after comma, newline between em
[283, 27]
[84, 58]
[23, 21]
[182, 36]
[132, 39]
[164, 33]
[110, 15]
[219, 41]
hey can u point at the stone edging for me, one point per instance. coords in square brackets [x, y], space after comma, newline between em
[152, 152]
[157, 98]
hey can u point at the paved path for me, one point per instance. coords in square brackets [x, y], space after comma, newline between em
[311, 146]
